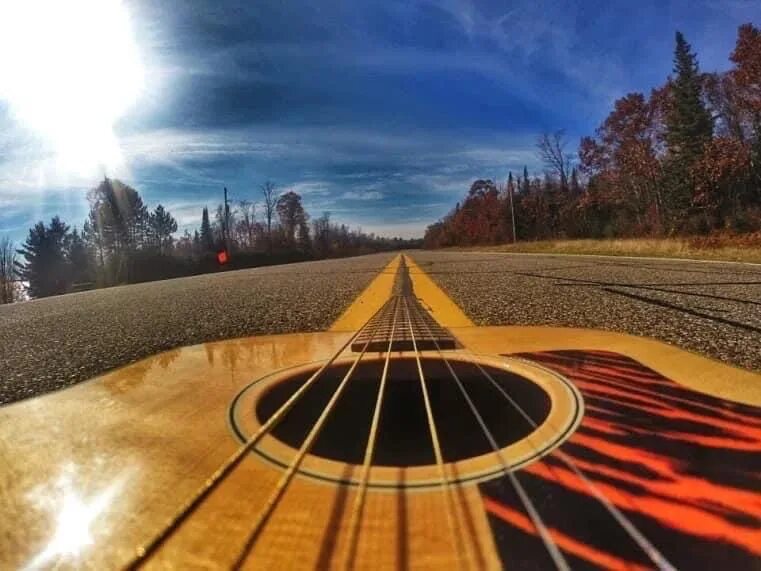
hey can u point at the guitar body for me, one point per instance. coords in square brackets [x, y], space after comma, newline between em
[616, 425]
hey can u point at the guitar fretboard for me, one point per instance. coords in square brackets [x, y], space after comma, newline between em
[403, 323]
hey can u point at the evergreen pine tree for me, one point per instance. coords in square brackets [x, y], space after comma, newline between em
[78, 258]
[44, 266]
[689, 124]
[688, 129]
[118, 228]
[162, 225]
[511, 204]
[526, 181]
[207, 236]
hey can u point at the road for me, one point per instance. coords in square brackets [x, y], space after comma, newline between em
[714, 309]
[52, 343]
[709, 308]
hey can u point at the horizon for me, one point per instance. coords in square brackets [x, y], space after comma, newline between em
[380, 113]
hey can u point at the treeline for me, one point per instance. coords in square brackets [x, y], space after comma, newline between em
[683, 160]
[122, 241]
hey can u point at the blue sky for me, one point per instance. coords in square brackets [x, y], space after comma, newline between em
[381, 112]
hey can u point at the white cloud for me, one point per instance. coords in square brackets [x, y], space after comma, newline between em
[503, 155]
[310, 187]
[362, 195]
[169, 146]
[444, 184]
[187, 214]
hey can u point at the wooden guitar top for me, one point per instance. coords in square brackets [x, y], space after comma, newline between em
[644, 455]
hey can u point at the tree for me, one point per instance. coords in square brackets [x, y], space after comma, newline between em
[44, 265]
[120, 214]
[689, 124]
[552, 153]
[322, 239]
[481, 219]
[755, 158]
[575, 186]
[510, 197]
[196, 242]
[185, 245]
[304, 240]
[78, 258]
[8, 284]
[224, 218]
[482, 187]
[747, 72]
[162, 225]
[95, 244]
[722, 175]
[723, 97]
[246, 226]
[291, 214]
[119, 224]
[207, 236]
[623, 158]
[746, 79]
[689, 130]
[685, 158]
[268, 192]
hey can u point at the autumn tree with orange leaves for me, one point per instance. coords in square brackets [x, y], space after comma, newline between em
[686, 159]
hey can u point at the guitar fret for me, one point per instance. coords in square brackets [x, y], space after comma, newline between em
[416, 323]
[427, 333]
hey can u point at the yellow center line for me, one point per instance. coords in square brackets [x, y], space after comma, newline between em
[445, 311]
[370, 300]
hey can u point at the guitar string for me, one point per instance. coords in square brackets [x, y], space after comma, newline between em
[280, 488]
[234, 461]
[637, 536]
[359, 499]
[549, 543]
[445, 483]
[145, 551]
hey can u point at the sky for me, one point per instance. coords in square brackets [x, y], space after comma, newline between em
[379, 112]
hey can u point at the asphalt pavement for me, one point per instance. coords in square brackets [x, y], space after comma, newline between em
[709, 308]
[51, 343]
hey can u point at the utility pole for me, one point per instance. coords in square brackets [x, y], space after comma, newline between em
[226, 232]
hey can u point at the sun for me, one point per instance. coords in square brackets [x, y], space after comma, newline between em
[68, 71]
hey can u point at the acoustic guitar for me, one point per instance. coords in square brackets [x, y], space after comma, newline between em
[404, 437]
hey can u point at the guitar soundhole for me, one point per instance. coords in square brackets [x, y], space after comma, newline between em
[404, 437]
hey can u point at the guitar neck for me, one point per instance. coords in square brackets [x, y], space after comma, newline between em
[402, 324]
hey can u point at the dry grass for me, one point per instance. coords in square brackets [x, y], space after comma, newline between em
[723, 247]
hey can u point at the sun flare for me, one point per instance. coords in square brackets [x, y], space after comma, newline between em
[69, 71]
